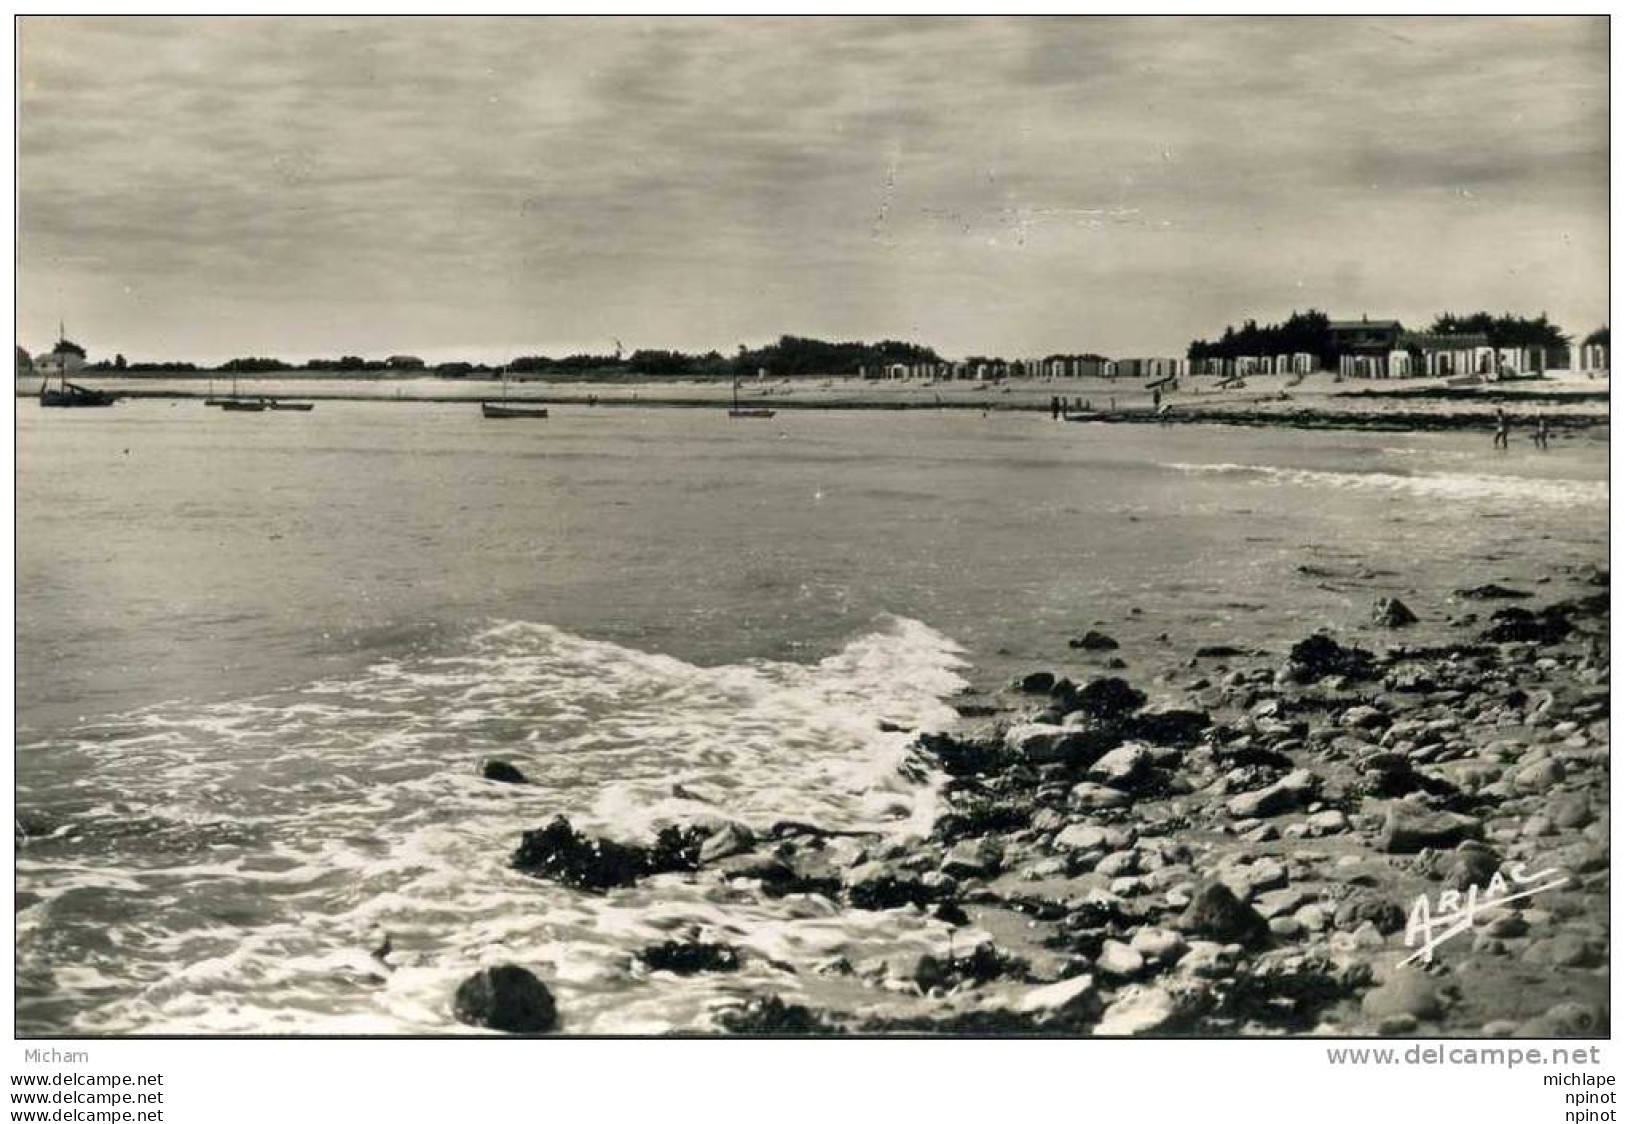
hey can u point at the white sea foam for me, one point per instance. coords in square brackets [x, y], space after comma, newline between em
[249, 855]
[1462, 486]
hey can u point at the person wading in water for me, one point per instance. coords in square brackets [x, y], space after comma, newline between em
[1502, 427]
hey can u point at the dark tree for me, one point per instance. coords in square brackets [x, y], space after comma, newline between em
[1505, 330]
[1308, 332]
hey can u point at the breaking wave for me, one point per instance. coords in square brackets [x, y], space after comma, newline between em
[1449, 485]
[227, 868]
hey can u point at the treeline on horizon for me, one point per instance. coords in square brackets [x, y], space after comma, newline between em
[791, 355]
[1308, 331]
[1311, 332]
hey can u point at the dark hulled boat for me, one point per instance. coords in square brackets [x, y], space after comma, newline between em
[504, 410]
[71, 394]
[738, 411]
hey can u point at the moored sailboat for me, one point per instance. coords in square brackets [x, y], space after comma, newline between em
[738, 411]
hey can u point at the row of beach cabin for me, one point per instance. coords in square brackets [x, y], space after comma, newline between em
[1418, 357]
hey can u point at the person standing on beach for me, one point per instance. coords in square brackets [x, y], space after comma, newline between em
[1054, 408]
[1542, 434]
[1502, 427]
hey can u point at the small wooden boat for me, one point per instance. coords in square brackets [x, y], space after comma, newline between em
[277, 404]
[71, 394]
[236, 404]
[505, 410]
[738, 411]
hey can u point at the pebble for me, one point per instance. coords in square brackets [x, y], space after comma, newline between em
[1092, 797]
[1137, 1010]
[1119, 960]
[1064, 996]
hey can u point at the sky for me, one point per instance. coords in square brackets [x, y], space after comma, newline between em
[203, 188]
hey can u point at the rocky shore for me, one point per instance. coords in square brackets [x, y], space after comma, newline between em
[1257, 860]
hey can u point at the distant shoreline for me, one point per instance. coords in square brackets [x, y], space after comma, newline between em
[1417, 405]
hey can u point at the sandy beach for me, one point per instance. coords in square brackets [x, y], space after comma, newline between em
[1319, 401]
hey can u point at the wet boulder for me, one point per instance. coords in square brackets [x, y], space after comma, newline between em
[687, 958]
[1039, 743]
[1036, 683]
[502, 772]
[1093, 641]
[878, 885]
[1514, 623]
[1391, 612]
[1182, 728]
[559, 853]
[964, 757]
[1109, 698]
[1319, 656]
[771, 1015]
[506, 998]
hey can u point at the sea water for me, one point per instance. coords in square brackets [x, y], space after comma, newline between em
[261, 656]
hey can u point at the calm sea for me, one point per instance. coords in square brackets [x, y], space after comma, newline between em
[259, 657]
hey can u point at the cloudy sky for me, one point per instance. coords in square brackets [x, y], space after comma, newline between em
[203, 188]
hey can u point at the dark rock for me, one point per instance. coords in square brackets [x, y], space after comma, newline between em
[1408, 828]
[1220, 652]
[1517, 624]
[772, 1015]
[507, 998]
[1217, 914]
[964, 757]
[982, 816]
[1493, 592]
[494, 770]
[1391, 612]
[686, 958]
[1037, 683]
[1109, 698]
[558, 852]
[677, 848]
[875, 885]
[1170, 727]
[1318, 656]
[1093, 641]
